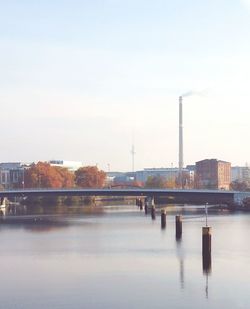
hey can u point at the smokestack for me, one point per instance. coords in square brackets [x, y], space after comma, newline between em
[180, 139]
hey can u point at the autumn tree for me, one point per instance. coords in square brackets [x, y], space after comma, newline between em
[67, 177]
[155, 182]
[170, 183]
[184, 181]
[43, 175]
[238, 185]
[90, 177]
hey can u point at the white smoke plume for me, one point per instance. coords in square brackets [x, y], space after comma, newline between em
[188, 94]
[197, 93]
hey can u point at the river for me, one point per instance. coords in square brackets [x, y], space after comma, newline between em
[116, 257]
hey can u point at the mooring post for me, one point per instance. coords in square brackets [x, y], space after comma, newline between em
[141, 205]
[163, 218]
[206, 241]
[178, 226]
[206, 248]
[146, 207]
[153, 212]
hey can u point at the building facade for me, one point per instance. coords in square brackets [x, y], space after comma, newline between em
[213, 174]
[240, 173]
[166, 173]
[11, 175]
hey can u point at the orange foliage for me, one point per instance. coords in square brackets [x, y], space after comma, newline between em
[43, 175]
[90, 177]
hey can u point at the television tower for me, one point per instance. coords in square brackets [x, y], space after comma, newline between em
[180, 141]
[133, 157]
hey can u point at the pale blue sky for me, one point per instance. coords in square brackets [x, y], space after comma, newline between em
[78, 77]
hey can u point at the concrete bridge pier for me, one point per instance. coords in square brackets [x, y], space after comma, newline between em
[151, 205]
[3, 201]
[150, 201]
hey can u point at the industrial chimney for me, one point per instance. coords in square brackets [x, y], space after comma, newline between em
[180, 140]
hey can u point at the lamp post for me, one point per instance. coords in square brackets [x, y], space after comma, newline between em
[23, 179]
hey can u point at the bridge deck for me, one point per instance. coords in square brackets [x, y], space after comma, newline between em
[168, 195]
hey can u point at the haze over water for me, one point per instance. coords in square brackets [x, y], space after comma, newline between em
[116, 257]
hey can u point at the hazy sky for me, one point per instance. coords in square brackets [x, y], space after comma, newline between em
[77, 78]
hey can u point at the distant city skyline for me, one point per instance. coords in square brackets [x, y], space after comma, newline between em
[79, 79]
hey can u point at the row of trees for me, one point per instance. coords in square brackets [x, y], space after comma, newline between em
[43, 175]
[161, 182]
[172, 183]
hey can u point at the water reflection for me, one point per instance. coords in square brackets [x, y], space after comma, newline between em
[18, 210]
[207, 269]
[67, 255]
[207, 264]
[180, 256]
[40, 218]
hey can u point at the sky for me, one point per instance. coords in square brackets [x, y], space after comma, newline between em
[84, 80]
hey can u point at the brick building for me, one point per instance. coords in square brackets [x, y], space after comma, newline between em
[213, 174]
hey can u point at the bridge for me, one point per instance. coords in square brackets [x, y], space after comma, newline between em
[170, 195]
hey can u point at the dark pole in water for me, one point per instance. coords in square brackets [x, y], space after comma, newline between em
[153, 212]
[206, 245]
[146, 207]
[163, 218]
[178, 226]
[140, 204]
[206, 241]
[206, 249]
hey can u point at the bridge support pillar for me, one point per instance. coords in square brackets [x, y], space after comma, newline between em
[178, 226]
[137, 202]
[163, 218]
[140, 204]
[150, 201]
[2, 201]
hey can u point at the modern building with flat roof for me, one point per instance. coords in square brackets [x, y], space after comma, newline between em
[70, 165]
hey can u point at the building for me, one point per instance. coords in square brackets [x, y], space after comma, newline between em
[240, 173]
[166, 173]
[11, 175]
[70, 165]
[213, 174]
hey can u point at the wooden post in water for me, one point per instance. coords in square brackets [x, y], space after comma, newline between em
[178, 226]
[146, 207]
[163, 218]
[206, 249]
[153, 212]
[206, 240]
[140, 204]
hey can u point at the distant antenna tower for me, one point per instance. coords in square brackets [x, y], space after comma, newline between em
[180, 141]
[133, 157]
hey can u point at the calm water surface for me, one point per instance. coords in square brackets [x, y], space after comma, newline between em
[116, 257]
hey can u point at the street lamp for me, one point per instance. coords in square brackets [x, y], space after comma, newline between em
[23, 179]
